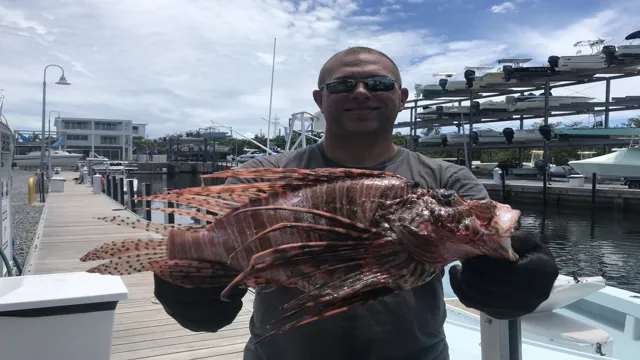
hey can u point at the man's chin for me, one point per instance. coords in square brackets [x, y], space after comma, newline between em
[362, 126]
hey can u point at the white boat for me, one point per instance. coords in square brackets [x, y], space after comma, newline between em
[532, 101]
[505, 105]
[631, 50]
[115, 166]
[623, 163]
[59, 158]
[482, 77]
[484, 137]
[525, 135]
[600, 57]
[453, 109]
[582, 319]
[445, 82]
[431, 140]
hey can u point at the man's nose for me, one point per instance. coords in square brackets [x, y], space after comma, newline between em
[361, 91]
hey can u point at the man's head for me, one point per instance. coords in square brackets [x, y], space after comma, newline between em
[360, 110]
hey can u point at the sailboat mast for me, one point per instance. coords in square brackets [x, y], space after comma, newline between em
[273, 68]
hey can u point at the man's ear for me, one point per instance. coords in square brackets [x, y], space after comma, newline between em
[317, 97]
[404, 95]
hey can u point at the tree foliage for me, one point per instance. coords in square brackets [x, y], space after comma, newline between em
[633, 122]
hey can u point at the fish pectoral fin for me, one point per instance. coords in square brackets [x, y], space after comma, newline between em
[192, 273]
[310, 175]
[312, 255]
[333, 298]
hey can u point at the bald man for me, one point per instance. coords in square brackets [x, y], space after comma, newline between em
[360, 94]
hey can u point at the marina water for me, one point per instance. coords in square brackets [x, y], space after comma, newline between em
[584, 242]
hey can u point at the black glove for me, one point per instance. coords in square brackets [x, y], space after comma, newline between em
[198, 309]
[504, 289]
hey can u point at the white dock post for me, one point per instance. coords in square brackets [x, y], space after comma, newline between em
[501, 339]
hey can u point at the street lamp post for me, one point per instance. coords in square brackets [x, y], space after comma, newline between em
[61, 81]
[49, 142]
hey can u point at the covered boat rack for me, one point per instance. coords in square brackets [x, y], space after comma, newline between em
[502, 339]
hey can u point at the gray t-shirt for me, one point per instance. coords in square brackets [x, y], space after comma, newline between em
[402, 326]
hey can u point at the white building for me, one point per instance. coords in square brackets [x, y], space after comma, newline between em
[107, 137]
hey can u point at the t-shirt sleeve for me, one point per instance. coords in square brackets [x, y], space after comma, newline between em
[465, 183]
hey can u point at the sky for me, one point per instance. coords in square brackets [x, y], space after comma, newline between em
[177, 65]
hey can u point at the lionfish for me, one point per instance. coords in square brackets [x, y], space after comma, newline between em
[343, 236]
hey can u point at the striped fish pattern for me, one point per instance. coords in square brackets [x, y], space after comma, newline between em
[342, 236]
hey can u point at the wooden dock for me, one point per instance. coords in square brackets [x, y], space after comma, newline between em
[142, 328]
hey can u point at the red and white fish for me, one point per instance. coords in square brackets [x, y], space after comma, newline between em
[343, 236]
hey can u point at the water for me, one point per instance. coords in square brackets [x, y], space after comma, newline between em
[590, 243]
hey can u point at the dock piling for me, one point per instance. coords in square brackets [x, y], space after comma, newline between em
[131, 194]
[114, 187]
[146, 191]
[42, 197]
[107, 185]
[121, 191]
[594, 181]
[171, 218]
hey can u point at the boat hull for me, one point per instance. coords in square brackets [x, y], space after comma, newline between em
[624, 163]
[56, 161]
[527, 135]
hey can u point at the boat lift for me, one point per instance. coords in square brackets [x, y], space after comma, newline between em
[502, 339]
[308, 122]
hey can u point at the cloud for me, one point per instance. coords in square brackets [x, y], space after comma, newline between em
[177, 65]
[503, 8]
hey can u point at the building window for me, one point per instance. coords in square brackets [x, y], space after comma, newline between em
[108, 126]
[108, 140]
[78, 137]
[76, 125]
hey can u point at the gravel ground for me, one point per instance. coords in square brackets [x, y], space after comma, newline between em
[25, 217]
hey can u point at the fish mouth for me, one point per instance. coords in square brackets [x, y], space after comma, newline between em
[505, 222]
[505, 219]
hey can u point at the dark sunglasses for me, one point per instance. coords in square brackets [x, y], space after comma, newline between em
[373, 84]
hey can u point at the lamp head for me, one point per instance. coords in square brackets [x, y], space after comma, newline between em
[63, 81]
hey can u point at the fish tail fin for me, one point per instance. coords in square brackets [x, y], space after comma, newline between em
[128, 264]
[116, 248]
[139, 224]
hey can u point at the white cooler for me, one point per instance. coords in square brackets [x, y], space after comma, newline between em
[66, 316]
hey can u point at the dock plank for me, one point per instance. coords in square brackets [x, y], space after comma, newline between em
[142, 328]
